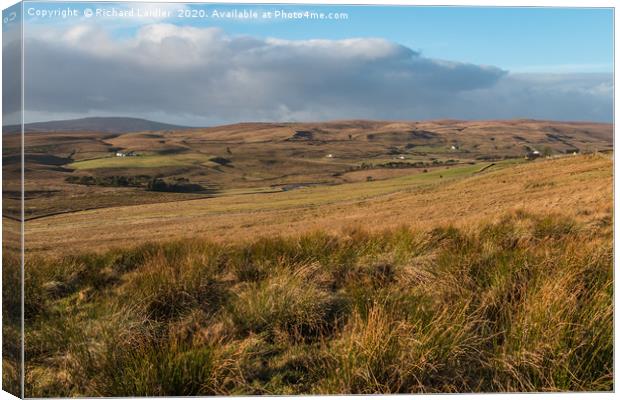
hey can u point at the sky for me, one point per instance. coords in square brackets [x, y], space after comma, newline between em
[373, 62]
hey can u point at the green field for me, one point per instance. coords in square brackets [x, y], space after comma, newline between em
[144, 161]
[323, 195]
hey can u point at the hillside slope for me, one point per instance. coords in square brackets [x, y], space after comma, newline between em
[503, 282]
[580, 186]
[253, 157]
[93, 124]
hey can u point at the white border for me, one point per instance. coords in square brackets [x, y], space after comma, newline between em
[481, 3]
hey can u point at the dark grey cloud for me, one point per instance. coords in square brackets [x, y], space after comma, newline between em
[204, 76]
[11, 71]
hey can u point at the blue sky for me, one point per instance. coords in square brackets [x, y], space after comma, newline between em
[517, 39]
[382, 62]
[511, 38]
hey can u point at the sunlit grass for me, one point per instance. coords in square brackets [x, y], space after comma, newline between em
[523, 304]
[143, 161]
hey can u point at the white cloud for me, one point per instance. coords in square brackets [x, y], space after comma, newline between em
[201, 76]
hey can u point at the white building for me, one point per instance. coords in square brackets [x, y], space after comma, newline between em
[125, 154]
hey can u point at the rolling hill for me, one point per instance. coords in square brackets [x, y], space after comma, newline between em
[74, 165]
[578, 185]
[94, 124]
[342, 257]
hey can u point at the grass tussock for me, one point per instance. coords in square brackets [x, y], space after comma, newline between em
[11, 321]
[521, 304]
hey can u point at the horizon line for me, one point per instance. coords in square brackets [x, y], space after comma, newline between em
[513, 119]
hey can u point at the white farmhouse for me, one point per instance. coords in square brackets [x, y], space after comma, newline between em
[126, 154]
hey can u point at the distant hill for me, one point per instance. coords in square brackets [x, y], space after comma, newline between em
[96, 124]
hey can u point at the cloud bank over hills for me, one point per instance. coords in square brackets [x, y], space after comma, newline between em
[204, 76]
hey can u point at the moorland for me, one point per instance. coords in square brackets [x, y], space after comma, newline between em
[335, 257]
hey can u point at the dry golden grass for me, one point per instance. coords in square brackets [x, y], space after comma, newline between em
[580, 186]
[522, 304]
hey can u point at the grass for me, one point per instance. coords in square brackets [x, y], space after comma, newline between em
[11, 319]
[521, 304]
[143, 161]
[579, 185]
[321, 195]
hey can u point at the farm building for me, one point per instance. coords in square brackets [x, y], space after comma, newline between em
[125, 154]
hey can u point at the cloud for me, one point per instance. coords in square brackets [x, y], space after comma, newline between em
[576, 97]
[11, 68]
[201, 76]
